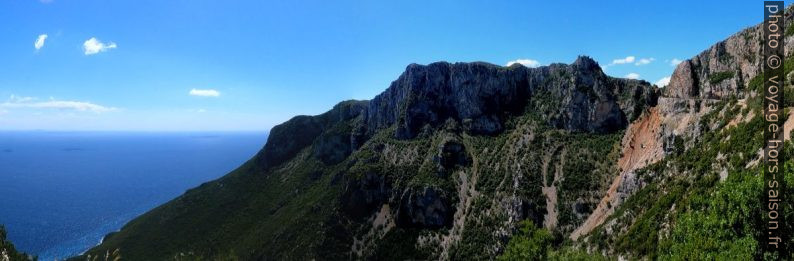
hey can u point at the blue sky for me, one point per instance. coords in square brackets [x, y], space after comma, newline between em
[248, 65]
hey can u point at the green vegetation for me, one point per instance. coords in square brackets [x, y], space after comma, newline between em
[399, 244]
[7, 249]
[718, 77]
[581, 180]
[700, 203]
[530, 243]
[568, 253]
[789, 30]
[477, 235]
[723, 225]
[321, 198]
[590, 164]
[757, 83]
[533, 243]
[788, 65]
[686, 212]
[279, 214]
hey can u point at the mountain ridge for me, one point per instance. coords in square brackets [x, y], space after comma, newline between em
[451, 160]
[442, 105]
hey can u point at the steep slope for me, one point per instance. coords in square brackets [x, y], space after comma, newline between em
[443, 164]
[8, 251]
[695, 193]
[643, 143]
[451, 159]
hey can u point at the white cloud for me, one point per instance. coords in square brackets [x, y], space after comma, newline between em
[632, 76]
[644, 61]
[94, 46]
[663, 82]
[30, 102]
[525, 62]
[205, 93]
[628, 59]
[15, 98]
[40, 41]
[675, 62]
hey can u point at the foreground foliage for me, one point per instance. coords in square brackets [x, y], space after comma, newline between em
[8, 251]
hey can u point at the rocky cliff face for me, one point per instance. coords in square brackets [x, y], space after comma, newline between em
[724, 69]
[708, 95]
[287, 139]
[481, 96]
[729, 69]
[478, 96]
[444, 162]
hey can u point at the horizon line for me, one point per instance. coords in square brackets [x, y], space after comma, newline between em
[151, 131]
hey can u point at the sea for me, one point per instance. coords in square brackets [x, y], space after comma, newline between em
[61, 192]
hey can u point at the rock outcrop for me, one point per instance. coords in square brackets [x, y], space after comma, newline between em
[725, 68]
[723, 71]
[287, 139]
[424, 207]
[481, 96]
[451, 155]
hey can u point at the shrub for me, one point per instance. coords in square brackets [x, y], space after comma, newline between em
[718, 77]
[530, 243]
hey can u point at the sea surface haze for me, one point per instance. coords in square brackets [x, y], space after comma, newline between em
[61, 192]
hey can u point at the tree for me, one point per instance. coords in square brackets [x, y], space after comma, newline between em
[530, 243]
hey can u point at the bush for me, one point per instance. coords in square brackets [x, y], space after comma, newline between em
[718, 77]
[722, 224]
[530, 243]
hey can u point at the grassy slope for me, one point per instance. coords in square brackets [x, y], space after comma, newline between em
[245, 214]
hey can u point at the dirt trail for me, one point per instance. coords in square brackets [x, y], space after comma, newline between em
[550, 190]
[640, 147]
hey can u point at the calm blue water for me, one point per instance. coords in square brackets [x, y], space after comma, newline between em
[61, 192]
